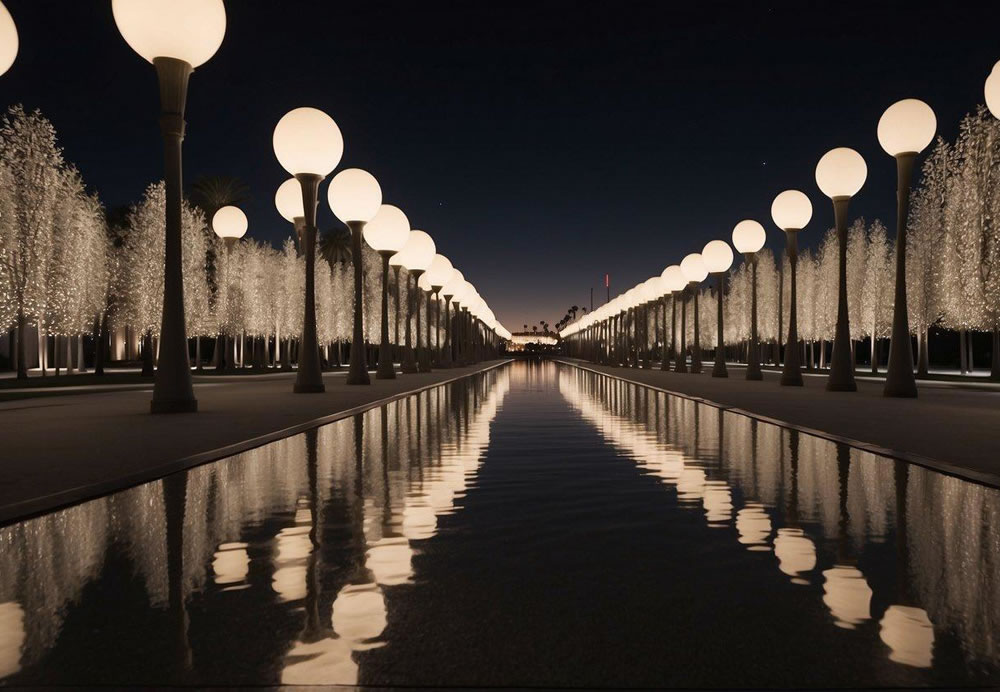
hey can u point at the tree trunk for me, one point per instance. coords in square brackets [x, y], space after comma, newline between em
[968, 341]
[99, 344]
[923, 357]
[822, 353]
[147, 355]
[22, 363]
[995, 365]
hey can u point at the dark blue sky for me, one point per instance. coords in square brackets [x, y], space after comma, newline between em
[541, 143]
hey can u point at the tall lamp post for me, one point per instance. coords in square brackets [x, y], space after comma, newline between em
[230, 224]
[308, 144]
[8, 40]
[451, 292]
[673, 283]
[748, 238]
[288, 201]
[387, 233]
[718, 258]
[840, 174]
[904, 130]
[176, 36]
[439, 274]
[416, 256]
[424, 284]
[791, 211]
[693, 268]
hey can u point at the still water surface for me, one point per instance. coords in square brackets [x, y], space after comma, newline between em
[536, 524]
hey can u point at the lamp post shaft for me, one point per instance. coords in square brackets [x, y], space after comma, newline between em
[753, 355]
[309, 378]
[841, 368]
[680, 364]
[409, 364]
[395, 272]
[791, 373]
[719, 368]
[385, 369]
[666, 350]
[696, 344]
[358, 371]
[446, 351]
[172, 389]
[899, 380]
[424, 357]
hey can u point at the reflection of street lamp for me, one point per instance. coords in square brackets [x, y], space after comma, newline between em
[693, 268]
[355, 198]
[992, 91]
[8, 39]
[387, 233]
[748, 238]
[288, 200]
[674, 283]
[308, 144]
[718, 257]
[791, 211]
[439, 274]
[840, 174]
[176, 36]
[230, 224]
[904, 130]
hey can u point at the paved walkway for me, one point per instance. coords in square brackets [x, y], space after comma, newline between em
[56, 450]
[950, 427]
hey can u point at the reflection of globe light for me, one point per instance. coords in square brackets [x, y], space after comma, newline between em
[419, 520]
[326, 662]
[390, 561]
[718, 503]
[908, 632]
[231, 563]
[847, 595]
[294, 546]
[795, 552]
[359, 613]
[690, 485]
[754, 527]
[11, 637]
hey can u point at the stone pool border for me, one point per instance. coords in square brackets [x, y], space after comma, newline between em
[973, 476]
[44, 504]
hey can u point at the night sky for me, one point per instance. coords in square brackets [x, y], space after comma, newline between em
[541, 144]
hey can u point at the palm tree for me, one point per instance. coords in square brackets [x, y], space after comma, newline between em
[574, 310]
[335, 246]
[212, 192]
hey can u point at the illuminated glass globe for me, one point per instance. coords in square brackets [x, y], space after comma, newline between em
[748, 236]
[992, 91]
[308, 141]
[424, 284]
[717, 256]
[388, 230]
[693, 268]
[791, 210]
[440, 271]
[454, 284]
[288, 200]
[8, 39]
[188, 30]
[673, 278]
[230, 222]
[418, 252]
[906, 127]
[355, 195]
[841, 173]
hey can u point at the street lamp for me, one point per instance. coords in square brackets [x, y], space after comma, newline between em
[904, 130]
[840, 174]
[416, 257]
[356, 198]
[424, 284]
[176, 36]
[992, 91]
[308, 144]
[694, 270]
[8, 40]
[439, 274]
[451, 292]
[673, 283]
[230, 224]
[718, 258]
[288, 200]
[748, 238]
[791, 211]
[387, 233]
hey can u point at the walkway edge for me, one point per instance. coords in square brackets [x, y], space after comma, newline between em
[981, 477]
[26, 509]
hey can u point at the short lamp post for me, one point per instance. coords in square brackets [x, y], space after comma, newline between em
[673, 283]
[439, 274]
[791, 211]
[904, 130]
[230, 224]
[288, 201]
[8, 40]
[718, 258]
[308, 144]
[748, 239]
[840, 174]
[693, 268]
[386, 233]
[176, 37]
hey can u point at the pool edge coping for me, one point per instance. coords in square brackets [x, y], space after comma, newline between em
[27, 509]
[971, 475]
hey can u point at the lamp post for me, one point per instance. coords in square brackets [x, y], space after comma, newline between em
[439, 274]
[791, 211]
[673, 283]
[425, 358]
[8, 40]
[386, 233]
[904, 130]
[230, 224]
[451, 292]
[308, 144]
[840, 174]
[748, 238]
[416, 257]
[693, 268]
[718, 258]
[288, 201]
[176, 36]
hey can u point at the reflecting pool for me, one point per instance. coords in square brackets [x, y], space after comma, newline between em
[533, 525]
